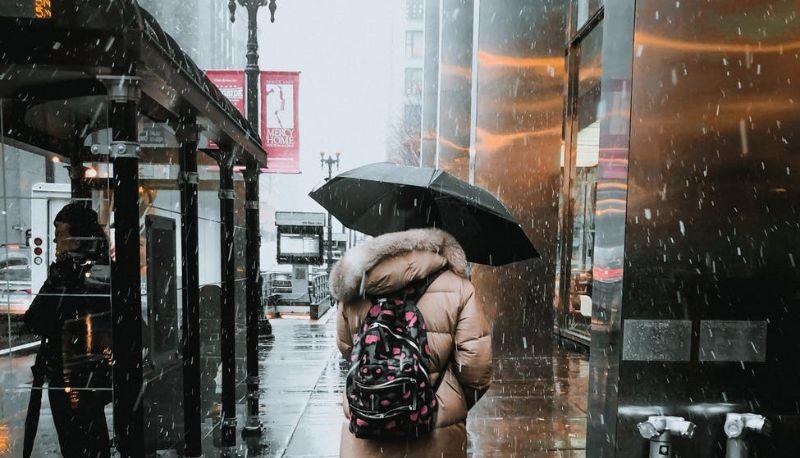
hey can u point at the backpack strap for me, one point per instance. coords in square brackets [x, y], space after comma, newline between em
[421, 292]
[427, 282]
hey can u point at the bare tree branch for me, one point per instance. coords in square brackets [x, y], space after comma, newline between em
[405, 133]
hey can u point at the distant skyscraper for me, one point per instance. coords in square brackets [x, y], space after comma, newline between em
[204, 31]
[405, 113]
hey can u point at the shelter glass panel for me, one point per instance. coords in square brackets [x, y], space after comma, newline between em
[55, 255]
[209, 255]
[160, 241]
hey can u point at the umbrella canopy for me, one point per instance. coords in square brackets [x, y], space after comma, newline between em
[381, 198]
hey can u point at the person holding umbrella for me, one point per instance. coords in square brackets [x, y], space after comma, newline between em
[418, 342]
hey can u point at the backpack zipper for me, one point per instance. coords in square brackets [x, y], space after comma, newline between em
[383, 385]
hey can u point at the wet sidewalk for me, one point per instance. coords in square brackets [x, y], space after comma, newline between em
[536, 406]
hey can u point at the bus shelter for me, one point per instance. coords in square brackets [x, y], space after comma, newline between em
[100, 107]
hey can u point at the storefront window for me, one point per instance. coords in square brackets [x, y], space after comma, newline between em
[582, 151]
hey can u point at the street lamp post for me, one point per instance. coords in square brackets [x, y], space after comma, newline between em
[251, 70]
[330, 162]
[253, 426]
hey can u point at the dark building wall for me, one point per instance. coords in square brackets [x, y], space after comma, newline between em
[455, 85]
[518, 142]
[430, 89]
[712, 226]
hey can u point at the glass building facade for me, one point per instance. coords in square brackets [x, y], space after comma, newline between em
[648, 149]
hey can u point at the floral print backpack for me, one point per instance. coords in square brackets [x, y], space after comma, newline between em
[388, 386]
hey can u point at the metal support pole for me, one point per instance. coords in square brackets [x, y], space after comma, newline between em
[228, 312]
[330, 244]
[254, 299]
[126, 308]
[330, 162]
[187, 134]
[251, 70]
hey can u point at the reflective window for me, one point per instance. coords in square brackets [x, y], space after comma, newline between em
[414, 44]
[414, 9]
[582, 11]
[583, 151]
[412, 117]
[413, 82]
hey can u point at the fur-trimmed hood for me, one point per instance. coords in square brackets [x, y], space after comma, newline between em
[347, 277]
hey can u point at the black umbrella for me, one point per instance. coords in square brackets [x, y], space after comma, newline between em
[381, 198]
[34, 403]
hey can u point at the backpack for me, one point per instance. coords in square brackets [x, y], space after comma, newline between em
[388, 386]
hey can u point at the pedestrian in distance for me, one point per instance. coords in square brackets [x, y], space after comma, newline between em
[71, 313]
[418, 343]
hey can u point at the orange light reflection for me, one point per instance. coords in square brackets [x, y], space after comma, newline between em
[642, 38]
[488, 141]
[554, 65]
[455, 70]
[452, 145]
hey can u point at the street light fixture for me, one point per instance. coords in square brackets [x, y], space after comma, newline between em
[252, 70]
[330, 162]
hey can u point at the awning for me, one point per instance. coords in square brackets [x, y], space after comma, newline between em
[65, 57]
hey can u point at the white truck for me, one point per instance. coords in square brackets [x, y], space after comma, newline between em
[47, 199]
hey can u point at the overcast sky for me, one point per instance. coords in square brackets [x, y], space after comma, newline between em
[343, 50]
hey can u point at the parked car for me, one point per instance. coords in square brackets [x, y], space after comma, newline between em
[15, 281]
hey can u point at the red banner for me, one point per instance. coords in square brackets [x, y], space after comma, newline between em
[232, 84]
[280, 134]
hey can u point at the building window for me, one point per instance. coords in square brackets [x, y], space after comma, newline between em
[412, 117]
[413, 82]
[578, 201]
[414, 43]
[414, 9]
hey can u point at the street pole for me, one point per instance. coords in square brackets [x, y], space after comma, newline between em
[126, 307]
[253, 425]
[330, 162]
[187, 133]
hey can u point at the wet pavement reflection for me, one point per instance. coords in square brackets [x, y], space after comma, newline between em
[536, 406]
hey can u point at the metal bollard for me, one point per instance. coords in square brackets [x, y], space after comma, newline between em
[660, 430]
[737, 425]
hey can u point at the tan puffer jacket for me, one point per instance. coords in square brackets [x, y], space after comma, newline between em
[458, 332]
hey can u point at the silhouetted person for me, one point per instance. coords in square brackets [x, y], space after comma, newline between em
[71, 313]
